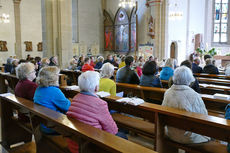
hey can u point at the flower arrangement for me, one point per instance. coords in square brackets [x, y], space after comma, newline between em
[211, 52]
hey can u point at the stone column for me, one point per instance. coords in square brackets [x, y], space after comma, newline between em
[57, 30]
[17, 20]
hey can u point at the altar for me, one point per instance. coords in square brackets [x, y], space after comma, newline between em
[225, 60]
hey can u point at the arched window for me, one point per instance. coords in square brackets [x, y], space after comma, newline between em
[133, 30]
[121, 31]
[221, 23]
[108, 32]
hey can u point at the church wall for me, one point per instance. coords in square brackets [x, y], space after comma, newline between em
[31, 25]
[90, 21]
[183, 30]
[177, 29]
[7, 31]
[221, 49]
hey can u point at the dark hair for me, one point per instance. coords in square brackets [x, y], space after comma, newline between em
[86, 59]
[149, 68]
[186, 63]
[37, 59]
[140, 57]
[207, 56]
[22, 61]
[128, 60]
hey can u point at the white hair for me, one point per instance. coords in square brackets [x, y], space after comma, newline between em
[107, 70]
[23, 70]
[100, 58]
[183, 76]
[88, 81]
[48, 76]
[169, 63]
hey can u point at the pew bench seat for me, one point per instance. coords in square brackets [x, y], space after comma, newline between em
[209, 147]
[136, 125]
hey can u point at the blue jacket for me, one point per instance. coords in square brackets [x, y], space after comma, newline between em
[196, 68]
[52, 98]
[150, 81]
[166, 73]
[98, 65]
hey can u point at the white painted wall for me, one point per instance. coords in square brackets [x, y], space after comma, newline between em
[183, 31]
[7, 32]
[31, 25]
[177, 29]
[90, 23]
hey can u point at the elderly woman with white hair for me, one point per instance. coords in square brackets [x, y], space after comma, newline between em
[99, 64]
[181, 96]
[25, 87]
[48, 93]
[106, 84]
[87, 107]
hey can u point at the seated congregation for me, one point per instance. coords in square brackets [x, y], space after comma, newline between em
[39, 82]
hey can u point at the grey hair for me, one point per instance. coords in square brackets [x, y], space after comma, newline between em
[48, 76]
[23, 70]
[169, 63]
[183, 76]
[100, 58]
[88, 81]
[107, 70]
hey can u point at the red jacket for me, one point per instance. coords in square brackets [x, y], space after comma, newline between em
[87, 67]
[93, 111]
[25, 89]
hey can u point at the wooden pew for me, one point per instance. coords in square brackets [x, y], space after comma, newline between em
[72, 75]
[212, 89]
[3, 86]
[160, 116]
[68, 127]
[2, 69]
[12, 81]
[223, 82]
[215, 106]
[204, 75]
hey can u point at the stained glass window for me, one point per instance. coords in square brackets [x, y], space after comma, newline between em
[121, 31]
[108, 32]
[220, 25]
[133, 30]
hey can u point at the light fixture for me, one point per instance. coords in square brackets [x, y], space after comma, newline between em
[4, 18]
[174, 14]
[127, 3]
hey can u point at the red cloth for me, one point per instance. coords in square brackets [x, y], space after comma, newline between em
[139, 71]
[92, 64]
[93, 111]
[25, 89]
[87, 67]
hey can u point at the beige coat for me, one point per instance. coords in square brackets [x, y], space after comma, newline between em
[185, 98]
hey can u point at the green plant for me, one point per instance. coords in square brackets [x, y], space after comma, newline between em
[227, 54]
[211, 52]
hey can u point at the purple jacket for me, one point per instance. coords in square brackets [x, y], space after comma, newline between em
[90, 109]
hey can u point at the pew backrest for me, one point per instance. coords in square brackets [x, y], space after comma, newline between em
[69, 127]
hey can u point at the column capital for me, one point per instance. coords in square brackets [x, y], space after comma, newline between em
[17, 1]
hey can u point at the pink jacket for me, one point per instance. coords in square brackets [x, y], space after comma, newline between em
[93, 111]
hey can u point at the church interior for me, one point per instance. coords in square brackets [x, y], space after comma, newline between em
[115, 76]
